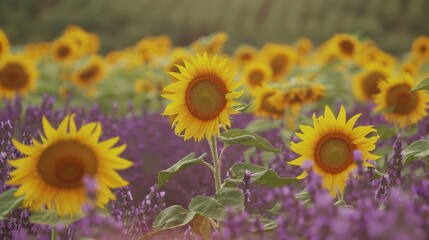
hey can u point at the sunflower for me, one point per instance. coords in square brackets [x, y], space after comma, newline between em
[146, 49]
[298, 94]
[51, 173]
[420, 48]
[245, 54]
[4, 44]
[281, 59]
[400, 106]
[163, 44]
[65, 49]
[203, 97]
[330, 144]
[365, 83]
[17, 75]
[346, 46]
[303, 46]
[93, 71]
[256, 74]
[176, 58]
[143, 86]
[263, 107]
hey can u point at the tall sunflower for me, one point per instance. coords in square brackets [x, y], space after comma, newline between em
[346, 46]
[51, 173]
[256, 74]
[400, 106]
[93, 71]
[65, 49]
[245, 54]
[4, 44]
[365, 83]
[17, 75]
[203, 97]
[263, 106]
[281, 59]
[330, 144]
[420, 48]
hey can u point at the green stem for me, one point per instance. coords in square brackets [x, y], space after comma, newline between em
[216, 163]
[54, 233]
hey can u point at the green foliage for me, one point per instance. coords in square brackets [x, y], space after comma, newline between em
[423, 85]
[190, 160]
[47, 217]
[247, 138]
[172, 217]
[417, 150]
[207, 206]
[263, 125]
[260, 175]
[230, 197]
[8, 202]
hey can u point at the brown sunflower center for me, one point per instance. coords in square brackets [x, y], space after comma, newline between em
[63, 51]
[423, 48]
[401, 100]
[278, 64]
[246, 57]
[334, 153]
[13, 76]
[256, 77]
[206, 97]
[268, 107]
[64, 163]
[370, 83]
[347, 47]
[89, 74]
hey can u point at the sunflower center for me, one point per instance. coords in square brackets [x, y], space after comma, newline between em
[347, 47]
[401, 100]
[63, 51]
[423, 48]
[334, 153]
[206, 97]
[268, 107]
[370, 83]
[88, 74]
[245, 57]
[256, 77]
[64, 163]
[13, 76]
[278, 63]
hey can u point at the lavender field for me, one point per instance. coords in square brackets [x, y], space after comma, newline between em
[212, 134]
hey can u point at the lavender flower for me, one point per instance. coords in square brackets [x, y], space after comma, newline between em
[395, 165]
[245, 187]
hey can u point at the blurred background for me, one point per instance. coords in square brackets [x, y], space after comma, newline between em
[392, 24]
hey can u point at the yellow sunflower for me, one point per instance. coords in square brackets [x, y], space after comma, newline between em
[51, 173]
[303, 46]
[365, 83]
[203, 97]
[297, 95]
[245, 54]
[17, 75]
[143, 86]
[93, 71]
[281, 59]
[400, 106]
[4, 44]
[330, 144]
[263, 107]
[420, 48]
[65, 49]
[346, 46]
[256, 74]
[176, 58]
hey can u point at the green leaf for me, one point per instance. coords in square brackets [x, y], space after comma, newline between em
[247, 138]
[207, 206]
[266, 222]
[418, 149]
[49, 217]
[165, 175]
[230, 197]
[172, 217]
[243, 107]
[9, 202]
[263, 125]
[276, 208]
[260, 175]
[422, 85]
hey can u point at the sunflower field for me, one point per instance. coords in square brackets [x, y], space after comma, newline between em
[205, 131]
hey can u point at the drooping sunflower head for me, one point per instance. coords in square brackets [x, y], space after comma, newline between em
[298, 93]
[93, 71]
[51, 173]
[365, 83]
[176, 58]
[346, 46]
[245, 54]
[281, 59]
[256, 74]
[17, 75]
[330, 144]
[264, 107]
[203, 97]
[420, 48]
[64, 49]
[4, 44]
[400, 106]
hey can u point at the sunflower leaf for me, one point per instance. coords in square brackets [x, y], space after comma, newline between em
[243, 107]
[49, 217]
[267, 223]
[165, 175]
[9, 202]
[172, 217]
[422, 85]
[207, 206]
[261, 175]
[417, 149]
[230, 197]
[247, 138]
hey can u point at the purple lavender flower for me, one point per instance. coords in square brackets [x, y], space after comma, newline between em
[245, 187]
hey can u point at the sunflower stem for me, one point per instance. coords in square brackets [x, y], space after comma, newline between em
[54, 233]
[216, 163]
